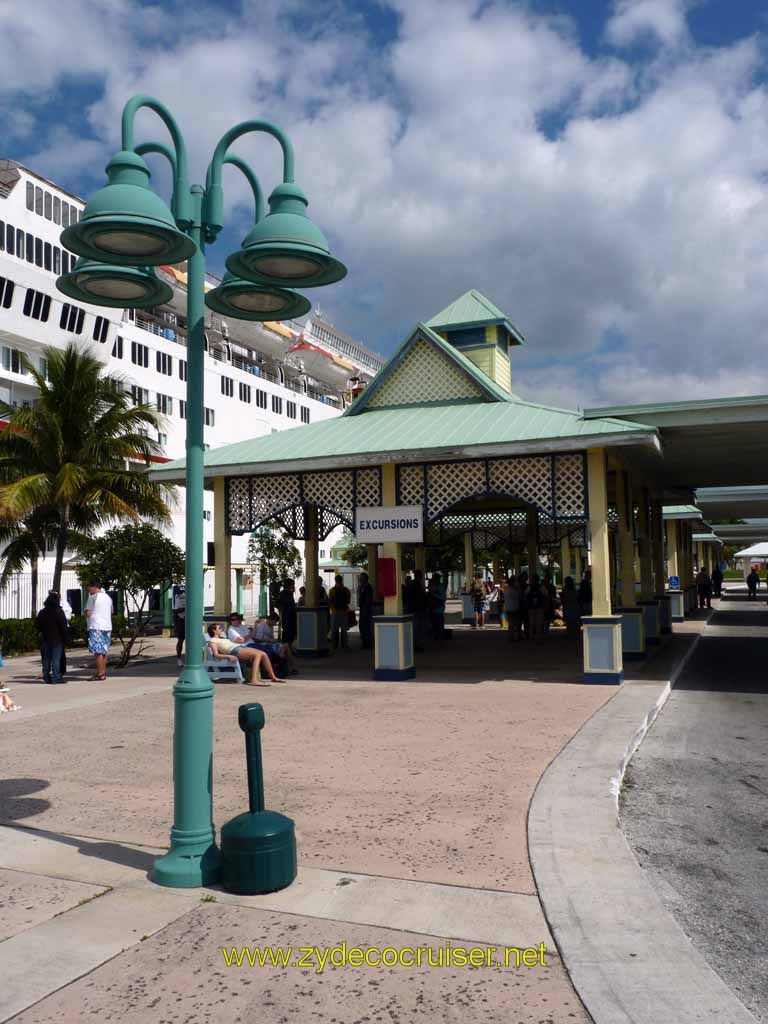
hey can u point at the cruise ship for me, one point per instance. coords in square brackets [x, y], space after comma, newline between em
[259, 378]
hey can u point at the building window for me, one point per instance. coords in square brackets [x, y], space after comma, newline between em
[44, 368]
[65, 215]
[30, 196]
[162, 439]
[30, 248]
[100, 329]
[37, 305]
[57, 209]
[182, 409]
[65, 262]
[38, 252]
[261, 398]
[117, 348]
[290, 410]
[56, 259]
[47, 255]
[182, 369]
[164, 363]
[12, 361]
[207, 515]
[277, 405]
[227, 386]
[139, 395]
[245, 393]
[210, 418]
[164, 404]
[48, 206]
[71, 318]
[6, 293]
[304, 414]
[139, 354]
[38, 200]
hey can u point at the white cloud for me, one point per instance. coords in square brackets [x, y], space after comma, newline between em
[641, 211]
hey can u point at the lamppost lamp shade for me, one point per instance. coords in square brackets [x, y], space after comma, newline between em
[126, 222]
[286, 248]
[106, 284]
[245, 300]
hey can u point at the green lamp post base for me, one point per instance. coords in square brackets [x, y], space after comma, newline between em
[187, 867]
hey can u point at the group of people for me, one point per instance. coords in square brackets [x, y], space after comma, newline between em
[256, 647]
[52, 622]
[528, 605]
[426, 603]
[338, 601]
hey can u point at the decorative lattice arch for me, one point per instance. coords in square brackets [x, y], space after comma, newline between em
[253, 501]
[424, 362]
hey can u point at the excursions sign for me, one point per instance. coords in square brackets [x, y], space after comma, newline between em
[403, 524]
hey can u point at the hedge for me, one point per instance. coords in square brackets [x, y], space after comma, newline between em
[20, 636]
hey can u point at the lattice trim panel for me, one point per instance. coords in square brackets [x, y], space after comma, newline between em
[554, 484]
[425, 375]
[253, 501]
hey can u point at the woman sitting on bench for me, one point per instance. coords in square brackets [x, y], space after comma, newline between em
[221, 647]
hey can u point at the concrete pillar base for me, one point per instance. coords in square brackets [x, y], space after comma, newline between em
[651, 620]
[311, 632]
[677, 605]
[602, 649]
[467, 610]
[393, 647]
[665, 612]
[632, 632]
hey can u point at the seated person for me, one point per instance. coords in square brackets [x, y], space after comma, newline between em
[237, 632]
[222, 647]
[264, 639]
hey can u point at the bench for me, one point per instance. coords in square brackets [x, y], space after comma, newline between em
[221, 668]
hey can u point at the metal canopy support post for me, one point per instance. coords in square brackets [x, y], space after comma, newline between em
[222, 544]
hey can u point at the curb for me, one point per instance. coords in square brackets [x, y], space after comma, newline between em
[627, 958]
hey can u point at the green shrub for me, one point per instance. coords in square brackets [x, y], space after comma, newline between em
[18, 636]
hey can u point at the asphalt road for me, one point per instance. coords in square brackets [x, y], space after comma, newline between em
[695, 802]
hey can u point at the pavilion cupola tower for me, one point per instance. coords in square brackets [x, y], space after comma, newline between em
[481, 332]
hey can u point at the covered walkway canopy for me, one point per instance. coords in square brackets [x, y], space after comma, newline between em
[440, 429]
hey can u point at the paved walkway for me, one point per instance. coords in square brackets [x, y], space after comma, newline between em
[410, 801]
[696, 807]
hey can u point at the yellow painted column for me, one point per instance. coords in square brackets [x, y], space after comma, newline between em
[565, 556]
[469, 560]
[598, 531]
[532, 540]
[222, 542]
[579, 570]
[392, 605]
[658, 548]
[673, 547]
[626, 538]
[644, 547]
[311, 556]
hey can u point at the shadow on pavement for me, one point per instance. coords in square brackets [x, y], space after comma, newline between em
[15, 801]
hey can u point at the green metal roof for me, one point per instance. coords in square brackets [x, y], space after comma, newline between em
[652, 408]
[488, 389]
[681, 512]
[473, 309]
[453, 429]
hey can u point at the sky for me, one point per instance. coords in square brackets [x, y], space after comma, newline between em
[597, 168]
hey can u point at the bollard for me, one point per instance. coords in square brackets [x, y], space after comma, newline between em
[258, 848]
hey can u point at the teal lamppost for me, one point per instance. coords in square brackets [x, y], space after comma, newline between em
[125, 230]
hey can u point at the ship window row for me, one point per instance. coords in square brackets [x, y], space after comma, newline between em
[24, 245]
[45, 204]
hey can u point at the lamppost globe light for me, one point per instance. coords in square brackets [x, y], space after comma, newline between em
[126, 222]
[107, 284]
[245, 300]
[286, 248]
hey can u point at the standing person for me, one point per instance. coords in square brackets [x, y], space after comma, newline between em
[585, 593]
[286, 605]
[52, 624]
[339, 599]
[512, 609]
[569, 602]
[98, 612]
[436, 599]
[717, 580]
[478, 601]
[753, 582]
[418, 608]
[536, 604]
[365, 608]
[180, 622]
[66, 607]
[550, 601]
[704, 588]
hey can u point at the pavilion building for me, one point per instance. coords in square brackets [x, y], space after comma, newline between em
[439, 428]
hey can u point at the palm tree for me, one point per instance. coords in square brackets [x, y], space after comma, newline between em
[70, 458]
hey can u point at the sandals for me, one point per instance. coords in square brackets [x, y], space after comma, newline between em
[92, 679]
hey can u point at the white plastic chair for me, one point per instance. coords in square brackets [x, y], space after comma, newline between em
[221, 668]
